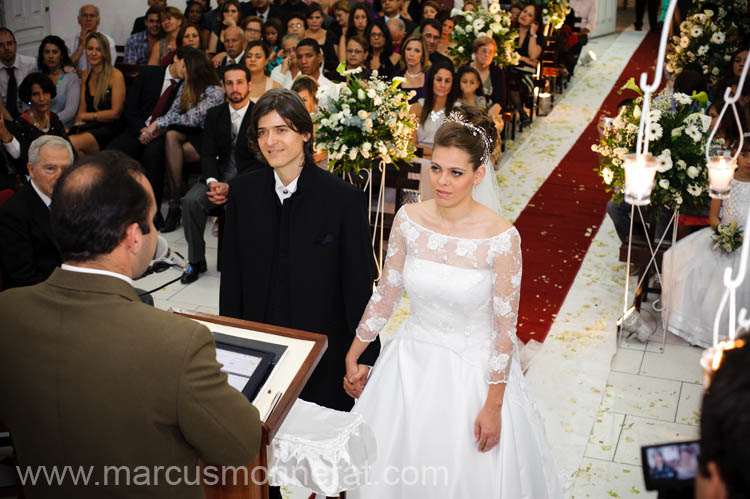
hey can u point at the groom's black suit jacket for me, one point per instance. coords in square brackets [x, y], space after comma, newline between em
[306, 264]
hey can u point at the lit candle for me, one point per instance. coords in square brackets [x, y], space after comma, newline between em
[720, 174]
[640, 171]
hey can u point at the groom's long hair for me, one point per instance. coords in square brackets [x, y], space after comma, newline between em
[290, 107]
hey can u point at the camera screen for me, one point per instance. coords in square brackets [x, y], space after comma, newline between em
[670, 463]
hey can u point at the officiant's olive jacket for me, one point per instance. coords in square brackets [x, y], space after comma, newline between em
[90, 376]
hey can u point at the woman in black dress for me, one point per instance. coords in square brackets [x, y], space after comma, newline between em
[102, 99]
[382, 58]
[17, 135]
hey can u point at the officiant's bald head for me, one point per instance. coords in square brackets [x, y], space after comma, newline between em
[289, 106]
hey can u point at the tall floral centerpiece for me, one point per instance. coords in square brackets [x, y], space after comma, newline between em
[705, 43]
[493, 22]
[729, 13]
[554, 12]
[677, 137]
[370, 119]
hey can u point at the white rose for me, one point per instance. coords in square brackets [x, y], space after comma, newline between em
[377, 101]
[693, 172]
[663, 183]
[495, 27]
[456, 12]
[709, 12]
[727, 57]
[353, 154]
[494, 8]
[460, 50]
[368, 124]
[361, 94]
[681, 165]
[366, 146]
[469, 18]
[459, 30]
[676, 132]
[715, 71]
[469, 28]
[705, 122]
[478, 24]
[362, 114]
[498, 19]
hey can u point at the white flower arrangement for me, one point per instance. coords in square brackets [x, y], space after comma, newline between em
[727, 237]
[553, 11]
[703, 41]
[677, 138]
[370, 119]
[493, 22]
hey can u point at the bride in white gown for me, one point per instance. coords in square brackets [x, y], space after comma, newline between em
[446, 399]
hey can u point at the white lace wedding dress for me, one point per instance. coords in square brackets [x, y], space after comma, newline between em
[693, 276]
[431, 380]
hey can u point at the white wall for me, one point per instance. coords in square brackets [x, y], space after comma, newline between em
[117, 16]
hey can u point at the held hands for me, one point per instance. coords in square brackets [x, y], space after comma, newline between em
[149, 133]
[487, 428]
[355, 379]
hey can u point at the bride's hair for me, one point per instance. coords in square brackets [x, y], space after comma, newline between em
[453, 133]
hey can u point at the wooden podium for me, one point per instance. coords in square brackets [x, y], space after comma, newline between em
[304, 351]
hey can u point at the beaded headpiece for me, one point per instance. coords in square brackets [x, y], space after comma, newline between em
[456, 117]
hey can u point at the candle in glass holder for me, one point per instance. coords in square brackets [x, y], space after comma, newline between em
[720, 174]
[640, 171]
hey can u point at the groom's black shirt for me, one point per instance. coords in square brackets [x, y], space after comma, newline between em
[305, 264]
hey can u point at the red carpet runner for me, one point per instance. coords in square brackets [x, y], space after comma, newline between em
[554, 224]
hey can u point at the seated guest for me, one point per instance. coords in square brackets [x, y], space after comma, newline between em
[294, 9]
[724, 432]
[171, 22]
[253, 28]
[189, 36]
[414, 62]
[445, 42]
[183, 123]
[28, 253]
[529, 42]
[314, 17]
[265, 10]
[13, 70]
[139, 45]
[434, 108]
[287, 71]
[296, 25]
[582, 20]
[692, 272]
[229, 16]
[52, 60]
[357, 53]
[492, 77]
[429, 10]
[392, 10]
[309, 58]
[468, 88]
[431, 30]
[307, 89]
[225, 153]
[359, 21]
[256, 60]
[340, 11]
[140, 24]
[234, 48]
[398, 33]
[195, 15]
[18, 135]
[88, 19]
[102, 99]
[151, 95]
[382, 58]
[272, 37]
[167, 401]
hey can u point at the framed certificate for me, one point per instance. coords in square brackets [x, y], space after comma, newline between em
[247, 363]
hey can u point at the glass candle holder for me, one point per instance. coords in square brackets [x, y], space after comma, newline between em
[720, 175]
[640, 171]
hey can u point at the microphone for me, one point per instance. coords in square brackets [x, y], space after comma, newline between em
[165, 254]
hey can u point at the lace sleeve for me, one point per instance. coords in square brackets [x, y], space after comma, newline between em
[196, 115]
[505, 252]
[387, 295]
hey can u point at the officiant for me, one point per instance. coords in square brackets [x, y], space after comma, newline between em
[297, 250]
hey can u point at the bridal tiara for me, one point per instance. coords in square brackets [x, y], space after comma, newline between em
[456, 117]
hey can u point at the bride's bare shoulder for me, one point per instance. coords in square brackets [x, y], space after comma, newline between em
[494, 224]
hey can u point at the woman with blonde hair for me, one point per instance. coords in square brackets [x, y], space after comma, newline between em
[102, 98]
[172, 19]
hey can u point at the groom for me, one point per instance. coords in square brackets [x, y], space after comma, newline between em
[297, 250]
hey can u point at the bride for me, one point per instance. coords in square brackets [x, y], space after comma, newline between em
[446, 399]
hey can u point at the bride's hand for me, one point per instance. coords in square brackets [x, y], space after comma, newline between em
[487, 428]
[355, 379]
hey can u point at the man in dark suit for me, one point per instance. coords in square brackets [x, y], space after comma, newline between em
[28, 253]
[150, 96]
[234, 46]
[114, 383]
[225, 153]
[297, 250]
[431, 30]
[392, 10]
[264, 9]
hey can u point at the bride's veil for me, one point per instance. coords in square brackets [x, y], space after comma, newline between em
[487, 192]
